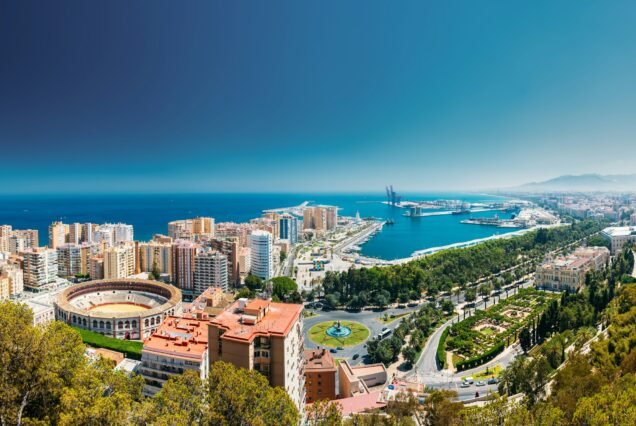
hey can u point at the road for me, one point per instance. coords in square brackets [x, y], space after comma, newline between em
[427, 370]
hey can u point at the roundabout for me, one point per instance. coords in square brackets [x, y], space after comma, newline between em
[338, 333]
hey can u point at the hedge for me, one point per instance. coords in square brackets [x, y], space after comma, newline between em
[441, 348]
[130, 348]
[481, 359]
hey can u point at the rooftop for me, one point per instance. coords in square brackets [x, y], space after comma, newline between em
[179, 337]
[240, 323]
[620, 231]
[319, 360]
[208, 304]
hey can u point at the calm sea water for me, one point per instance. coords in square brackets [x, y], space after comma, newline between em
[150, 213]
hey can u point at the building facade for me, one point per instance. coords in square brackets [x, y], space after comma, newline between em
[263, 336]
[261, 254]
[567, 273]
[40, 267]
[618, 236]
[184, 253]
[320, 375]
[210, 270]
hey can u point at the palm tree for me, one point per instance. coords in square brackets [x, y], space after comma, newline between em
[456, 292]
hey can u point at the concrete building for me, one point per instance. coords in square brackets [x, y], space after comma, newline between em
[191, 229]
[183, 256]
[40, 267]
[212, 302]
[5, 232]
[14, 278]
[356, 381]
[320, 218]
[58, 234]
[178, 345]
[69, 260]
[230, 247]
[567, 273]
[210, 270]
[119, 261]
[261, 246]
[155, 254]
[74, 233]
[632, 219]
[263, 336]
[320, 375]
[288, 228]
[23, 238]
[618, 236]
[120, 232]
[245, 260]
[104, 237]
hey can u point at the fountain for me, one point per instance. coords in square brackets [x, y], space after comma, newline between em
[338, 330]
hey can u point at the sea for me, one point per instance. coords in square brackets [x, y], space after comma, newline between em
[150, 214]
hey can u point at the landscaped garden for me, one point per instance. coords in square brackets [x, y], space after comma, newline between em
[132, 349]
[484, 335]
[338, 333]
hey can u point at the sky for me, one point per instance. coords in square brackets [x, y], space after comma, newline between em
[276, 96]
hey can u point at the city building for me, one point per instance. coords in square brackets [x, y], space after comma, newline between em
[5, 232]
[230, 247]
[208, 304]
[74, 233]
[40, 267]
[263, 336]
[96, 267]
[13, 276]
[155, 254]
[261, 255]
[178, 345]
[58, 233]
[618, 236]
[119, 261]
[356, 381]
[189, 229]
[567, 273]
[320, 218]
[288, 228]
[632, 219]
[120, 232]
[69, 260]
[210, 270]
[245, 260]
[184, 253]
[22, 239]
[320, 375]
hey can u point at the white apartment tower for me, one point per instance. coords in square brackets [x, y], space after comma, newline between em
[261, 254]
[40, 267]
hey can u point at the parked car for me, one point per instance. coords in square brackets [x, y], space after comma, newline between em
[340, 348]
[469, 380]
[412, 305]
[465, 384]
[333, 351]
[492, 381]
[401, 306]
[356, 356]
[480, 383]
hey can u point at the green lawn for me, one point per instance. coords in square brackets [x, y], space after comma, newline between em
[132, 349]
[318, 334]
[487, 373]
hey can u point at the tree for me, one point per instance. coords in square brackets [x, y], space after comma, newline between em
[282, 256]
[244, 397]
[324, 413]
[410, 353]
[525, 340]
[440, 409]
[253, 282]
[470, 295]
[180, 401]
[447, 306]
[283, 287]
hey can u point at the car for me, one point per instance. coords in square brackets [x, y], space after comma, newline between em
[401, 306]
[333, 351]
[412, 305]
[492, 381]
[480, 383]
[356, 356]
[469, 380]
[465, 384]
[385, 328]
[340, 348]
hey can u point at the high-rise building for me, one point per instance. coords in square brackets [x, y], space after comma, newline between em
[74, 233]
[288, 228]
[261, 254]
[14, 275]
[263, 336]
[121, 232]
[69, 260]
[320, 375]
[103, 237]
[119, 261]
[230, 247]
[40, 267]
[188, 229]
[632, 219]
[331, 217]
[96, 267]
[183, 255]
[210, 270]
[5, 232]
[245, 260]
[58, 233]
[157, 255]
[87, 232]
[29, 237]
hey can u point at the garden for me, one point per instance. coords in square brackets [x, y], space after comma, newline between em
[338, 333]
[481, 337]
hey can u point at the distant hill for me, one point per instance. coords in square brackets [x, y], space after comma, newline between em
[586, 182]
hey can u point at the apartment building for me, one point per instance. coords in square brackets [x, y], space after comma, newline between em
[230, 247]
[191, 229]
[567, 273]
[210, 270]
[263, 336]
[261, 256]
[183, 256]
[14, 278]
[58, 234]
[155, 254]
[618, 236]
[178, 345]
[40, 267]
[320, 375]
[119, 261]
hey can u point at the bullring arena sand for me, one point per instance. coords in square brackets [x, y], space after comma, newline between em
[115, 308]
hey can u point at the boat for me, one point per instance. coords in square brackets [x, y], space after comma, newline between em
[461, 211]
[389, 222]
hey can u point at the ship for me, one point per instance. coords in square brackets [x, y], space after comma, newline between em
[461, 211]
[389, 222]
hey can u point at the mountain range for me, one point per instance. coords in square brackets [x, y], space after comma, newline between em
[585, 182]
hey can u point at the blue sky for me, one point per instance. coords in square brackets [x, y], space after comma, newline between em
[313, 96]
